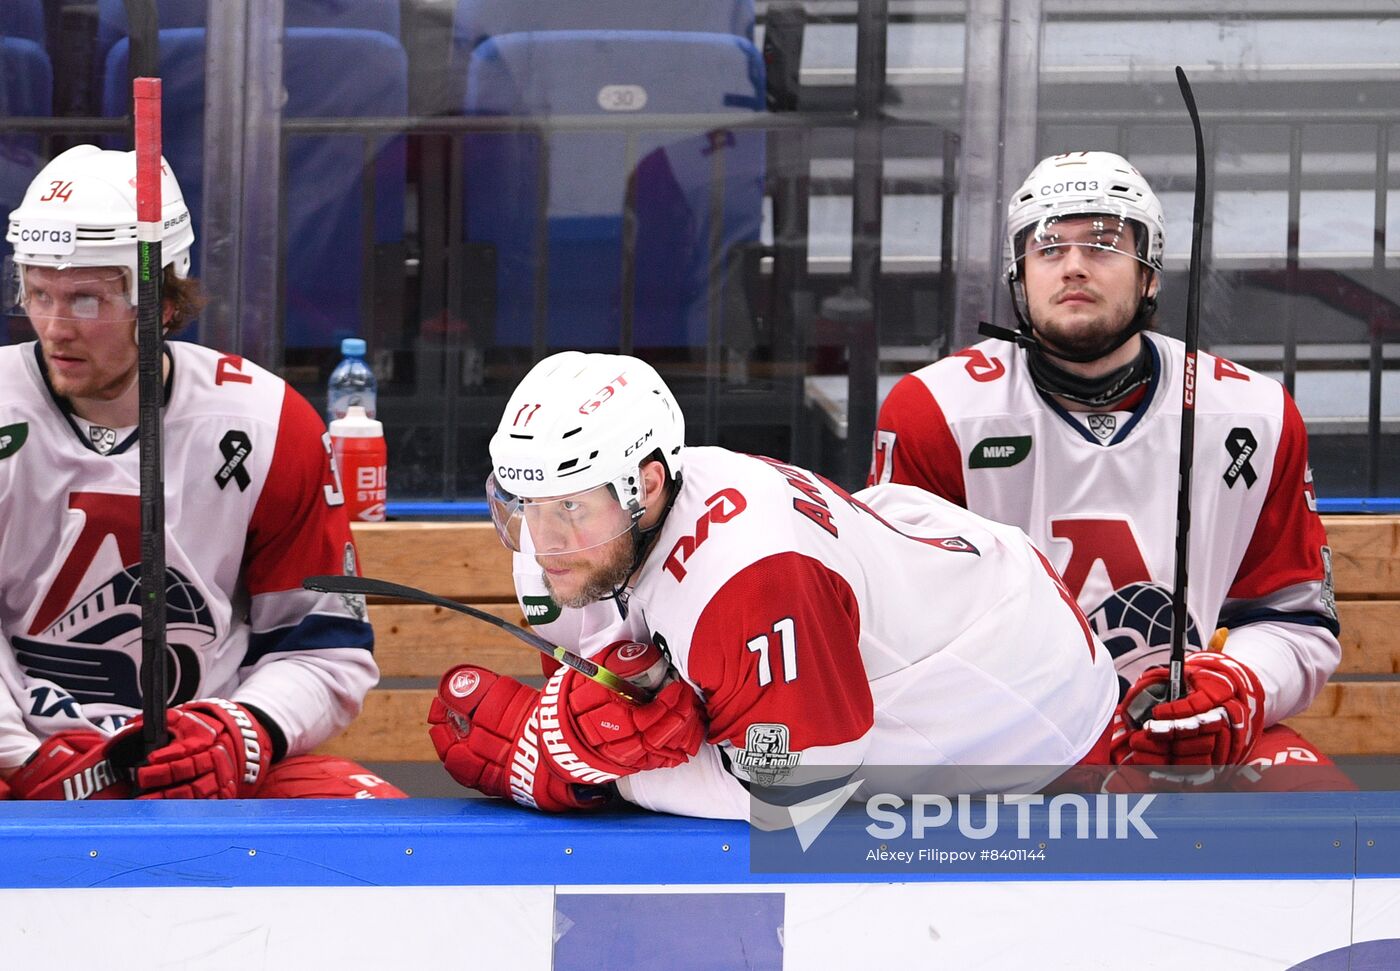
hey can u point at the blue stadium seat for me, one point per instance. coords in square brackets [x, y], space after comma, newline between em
[476, 20]
[590, 173]
[26, 91]
[381, 15]
[327, 73]
[23, 19]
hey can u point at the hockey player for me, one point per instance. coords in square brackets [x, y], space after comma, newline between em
[261, 671]
[1072, 433]
[807, 628]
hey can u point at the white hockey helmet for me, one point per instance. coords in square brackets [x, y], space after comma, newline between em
[1083, 184]
[581, 422]
[80, 210]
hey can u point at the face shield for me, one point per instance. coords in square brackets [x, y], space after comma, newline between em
[559, 526]
[78, 295]
[1098, 237]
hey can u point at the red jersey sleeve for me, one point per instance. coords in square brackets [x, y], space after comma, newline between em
[299, 527]
[1286, 549]
[914, 445]
[779, 644]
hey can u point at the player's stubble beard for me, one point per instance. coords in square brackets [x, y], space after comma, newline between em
[1091, 338]
[609, 575]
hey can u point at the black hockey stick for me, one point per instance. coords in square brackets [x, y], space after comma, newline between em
[1176, 673]
[150, 392]
[368, 586]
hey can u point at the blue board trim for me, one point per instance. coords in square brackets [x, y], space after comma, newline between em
[447, 842]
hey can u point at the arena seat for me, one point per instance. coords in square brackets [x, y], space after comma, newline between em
[381, 15]
[26, 90]
[23, 19]
[328, 73]
[477, 20]
[675, 179]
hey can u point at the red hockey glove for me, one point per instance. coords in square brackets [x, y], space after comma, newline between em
[483, 726]
[70, 765]
[217, 750]
[1215, 723]
[592, 735]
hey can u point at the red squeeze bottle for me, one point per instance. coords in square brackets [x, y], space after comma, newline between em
[358, 443]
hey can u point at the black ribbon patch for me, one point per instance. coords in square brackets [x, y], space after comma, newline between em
[1241, 444]
[236, 448]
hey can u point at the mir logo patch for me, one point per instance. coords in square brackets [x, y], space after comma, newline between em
[12, 437]
[540, 610]
[999, 453]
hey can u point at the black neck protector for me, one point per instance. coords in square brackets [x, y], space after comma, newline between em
[1100, 392]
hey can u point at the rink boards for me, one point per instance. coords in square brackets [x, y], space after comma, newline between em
[1307, 881]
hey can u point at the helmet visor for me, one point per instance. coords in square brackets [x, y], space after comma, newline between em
[77, 294]
[558, 526]
[1094, 235]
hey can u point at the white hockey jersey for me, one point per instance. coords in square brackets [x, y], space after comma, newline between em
[889, 629]
[252, 505]
[1098, 495]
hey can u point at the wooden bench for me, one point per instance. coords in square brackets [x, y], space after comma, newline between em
[466, 562]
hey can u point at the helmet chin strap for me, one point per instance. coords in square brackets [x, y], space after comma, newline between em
[1050, 378]
[642, 540]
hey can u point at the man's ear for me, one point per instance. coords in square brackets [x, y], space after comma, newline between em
[1154, 283]
[653, 483]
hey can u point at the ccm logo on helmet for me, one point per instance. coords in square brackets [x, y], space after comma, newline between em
[1082, 185]
[638, 443]
[519, 475]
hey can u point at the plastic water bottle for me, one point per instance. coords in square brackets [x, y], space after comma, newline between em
[352, 382]
[358, 444]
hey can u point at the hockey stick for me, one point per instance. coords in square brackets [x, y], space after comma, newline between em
[369, 586]
[1175, 671]
[145, 93]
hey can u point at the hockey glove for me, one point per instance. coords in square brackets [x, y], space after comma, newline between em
[1215, 723]
[483, 726]
[217, 750]
[590, 734]
[70, 765]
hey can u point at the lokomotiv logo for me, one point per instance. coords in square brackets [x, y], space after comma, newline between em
[463, 683]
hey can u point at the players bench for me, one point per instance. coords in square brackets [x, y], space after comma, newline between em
[415, 643]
